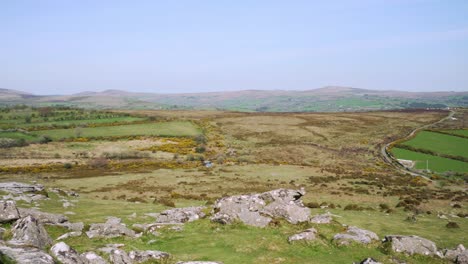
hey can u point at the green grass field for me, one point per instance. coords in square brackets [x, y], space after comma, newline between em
[440, 143]
[176, 128]
[18, 135]
[437, 164]
[41, 123]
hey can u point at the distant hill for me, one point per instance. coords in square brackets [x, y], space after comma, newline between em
[327, 99]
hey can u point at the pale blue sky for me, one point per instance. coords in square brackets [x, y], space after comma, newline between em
[52, 47]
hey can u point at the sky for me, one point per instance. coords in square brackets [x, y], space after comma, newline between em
[64, 47]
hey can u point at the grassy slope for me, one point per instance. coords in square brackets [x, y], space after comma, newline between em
[440, 143]
[437, 164]
[176, 128]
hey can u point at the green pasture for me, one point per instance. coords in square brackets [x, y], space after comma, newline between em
[440, 143]
[175, 128]
[437, 164]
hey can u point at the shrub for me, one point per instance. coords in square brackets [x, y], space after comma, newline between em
[44, 139]
[10, 143]
[353, 207]
[67, 166]
[165, 201]
[312, 205]
[384, 206]
[200, 149]
[98, 162]
[452, 225]
[136, 199]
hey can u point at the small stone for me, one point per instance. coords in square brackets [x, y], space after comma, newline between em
[412, 245]
[307, 235]
[354, 234]
[8, 212]
[66, 255]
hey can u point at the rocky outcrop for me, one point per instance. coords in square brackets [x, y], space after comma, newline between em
[25, 255]
[28, 231]
[260, 209]
[20, 188]
[118, 256]
[412, 245]
[307, 235]
[181, 215]
[369, 261]
[357, 235]
[93, 258]
[66, 255]
[322, 219]
[112, 228]
[8, 212]
[147, 255]
[45, 218]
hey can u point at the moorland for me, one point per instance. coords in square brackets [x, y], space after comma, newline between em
[131, 163]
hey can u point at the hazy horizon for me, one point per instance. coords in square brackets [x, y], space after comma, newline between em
[56, 47]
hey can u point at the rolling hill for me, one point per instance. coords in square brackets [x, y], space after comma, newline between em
[326, 99]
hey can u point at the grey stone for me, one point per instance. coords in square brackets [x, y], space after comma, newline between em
[412, 245]
[452, 254]
[369, 261]
[75, 227]
[462, 258]
[307, 235]
[260, 209]
[354, 234]
[109, 247]
[112, 228]
[19, 188]
[147, 255]
[66, 255]
[8, 211]
[28, 231]
[181, 215]
[118, 256]
[93, 258]
[26, 255]
[45, 218]
[70, 234]
[322, 219]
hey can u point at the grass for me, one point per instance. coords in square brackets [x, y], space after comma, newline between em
[175, 128]
[437, 164]
[440, 143]
[82, 122]
[18, 135]
[237, 243]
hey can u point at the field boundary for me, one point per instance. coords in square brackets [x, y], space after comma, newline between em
[392, 161]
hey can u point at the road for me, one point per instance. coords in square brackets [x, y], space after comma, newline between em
[394, 163]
